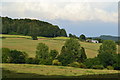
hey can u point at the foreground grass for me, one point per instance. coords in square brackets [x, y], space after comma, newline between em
[24, 43]
[46, 71]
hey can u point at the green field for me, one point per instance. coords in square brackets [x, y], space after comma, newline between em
[46, 71]
[24, 43]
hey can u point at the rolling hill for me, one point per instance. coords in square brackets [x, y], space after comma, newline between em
[24, 43]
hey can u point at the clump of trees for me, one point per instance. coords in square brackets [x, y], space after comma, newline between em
[107, 57]
[13, 56]
[43, 54]
[30, 27]
[71, 52]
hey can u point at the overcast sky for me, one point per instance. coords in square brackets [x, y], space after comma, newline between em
[89, 18]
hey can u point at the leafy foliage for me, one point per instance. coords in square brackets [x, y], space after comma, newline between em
[70, 52]
[108, 46]
[83, 56]
[82, 37]
[31, 27]
[75, 64]
[53, 54]
[18, 56]
[56, 62]
[110, 67]
[106, 59]
[32, 61]
[73, 36]
[42, 53]
[92, 61]
[6, 58]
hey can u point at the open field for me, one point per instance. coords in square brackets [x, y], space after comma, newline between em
[24, 43]
[46, 71]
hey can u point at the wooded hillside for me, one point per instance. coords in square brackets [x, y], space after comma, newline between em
[30, 27]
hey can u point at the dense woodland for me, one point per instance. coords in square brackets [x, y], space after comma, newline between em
[30, 27]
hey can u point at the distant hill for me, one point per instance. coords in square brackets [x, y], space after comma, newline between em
[108, 37]
[30, 27]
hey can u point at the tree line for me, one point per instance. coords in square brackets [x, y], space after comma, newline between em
[31, 27]
[72, 54]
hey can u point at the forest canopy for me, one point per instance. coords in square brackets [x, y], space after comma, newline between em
[30, 27]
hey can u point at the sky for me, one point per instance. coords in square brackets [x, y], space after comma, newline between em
[92, 18]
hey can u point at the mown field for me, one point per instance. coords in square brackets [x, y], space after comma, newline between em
[24, 43]
[46, 71]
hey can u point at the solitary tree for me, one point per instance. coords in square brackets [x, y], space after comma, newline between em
[82, 37]
[70, 52]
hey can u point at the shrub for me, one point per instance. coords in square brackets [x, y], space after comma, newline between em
[75, 64]
[53, 54]
[98, 67]
[82, 65]
[116, 66]
[92, 61]
[32, 61]
[108, 46]
[56, 62]
[106, 59]
[6, 58]
[110, 67]
[18, 56]
[34, 38]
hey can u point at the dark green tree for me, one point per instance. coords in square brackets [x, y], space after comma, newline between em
[70, 52]
[6, 58]
[18, 56]
[73, 36]
[83, 56]
[106, 59]
[82, 37]
[108, 46]
[106, 53]
[53, 54]
[42, 53]
[63, 32]
[34, 37]
[32, 61]
[118, 42]
[90, 62]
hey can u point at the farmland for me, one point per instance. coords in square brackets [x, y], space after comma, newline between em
[24, 43]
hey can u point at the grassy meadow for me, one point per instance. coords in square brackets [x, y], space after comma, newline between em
[46, 71]
[25, 43]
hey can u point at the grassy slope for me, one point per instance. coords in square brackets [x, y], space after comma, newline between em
[39, 71]
[29, 46]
